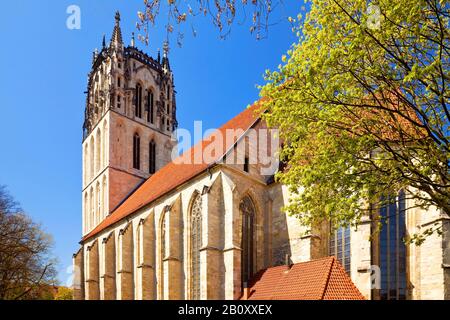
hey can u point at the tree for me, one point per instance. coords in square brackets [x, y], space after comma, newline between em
[64, 293]
[223, 14]
[362, 104]
[26, 266]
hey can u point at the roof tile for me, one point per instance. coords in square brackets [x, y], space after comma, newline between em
[322, 279]
[174, 174]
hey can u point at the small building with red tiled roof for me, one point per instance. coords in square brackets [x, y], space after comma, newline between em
[158, 225]
[321, 279]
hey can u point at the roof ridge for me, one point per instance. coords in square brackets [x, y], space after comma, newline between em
[327, 278]
[340, 268]
[144, 194]
[129, 194]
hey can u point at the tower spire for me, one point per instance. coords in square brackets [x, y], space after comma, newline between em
[94, 55]
[116, 39]
[133, 43]
[165, 59]
[165, 49]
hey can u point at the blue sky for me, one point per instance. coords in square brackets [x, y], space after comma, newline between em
[44, 69]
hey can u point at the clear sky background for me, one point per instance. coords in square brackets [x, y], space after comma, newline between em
[43, 76]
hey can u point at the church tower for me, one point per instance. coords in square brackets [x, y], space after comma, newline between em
[130, 118]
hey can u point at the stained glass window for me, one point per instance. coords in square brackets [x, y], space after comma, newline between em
[392, 249]
[136, 152]
[340, 246]
[152, 157]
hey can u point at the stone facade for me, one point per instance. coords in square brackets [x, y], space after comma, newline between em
[115, 113]
[149, 254]
[159, 263]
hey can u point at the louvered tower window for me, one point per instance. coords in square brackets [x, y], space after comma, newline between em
[136, 151]
[150, 101]
[152, 157]
[138, 109]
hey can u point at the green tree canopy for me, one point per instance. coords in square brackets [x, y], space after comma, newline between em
[362, 104]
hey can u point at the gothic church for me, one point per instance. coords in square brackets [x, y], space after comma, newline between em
[154, 228]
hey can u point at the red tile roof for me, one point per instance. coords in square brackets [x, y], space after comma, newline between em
[174, 174]
[322, 279]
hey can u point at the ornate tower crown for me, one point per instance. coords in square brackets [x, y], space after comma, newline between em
[109, 60]
[116, 39]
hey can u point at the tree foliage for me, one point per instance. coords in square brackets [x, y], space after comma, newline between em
[64, 293]
[26, 266]
[362, 104]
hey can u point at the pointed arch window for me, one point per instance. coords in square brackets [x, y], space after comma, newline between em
[98, 151]
[248, 213]
[162, 255]
[139, 237]
[104, 197]
[168, 91]
[91, 208]
[196, 244]
[136, 151]
[98, 203]
[392, 249]
[91, 158]
[138, 109]
[119, 101]
[85, 161]
[150, 102]
[340, 246]
[105, 144]
[152, 157]
[86, 211]
[246, 164]
[163, 238]
[247, 152]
